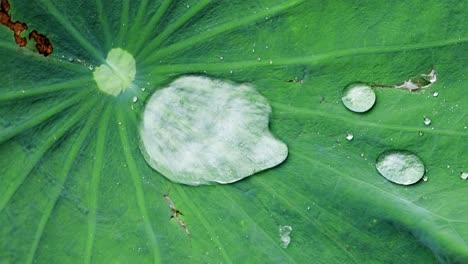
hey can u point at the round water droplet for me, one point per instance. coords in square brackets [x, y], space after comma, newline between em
[349, 136]
[134, 99]
[464, 175]
[427, 121]
[420, 133]
[425, 178]
[400, 166]
[435, 94]
[358, 97]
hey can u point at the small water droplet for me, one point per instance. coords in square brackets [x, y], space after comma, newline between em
[362, 154]
[464, 175]
[143, 89]
[349, 136]
[435, 94]
[427, 121]
[221, 58]
[253, 50]
[70, 59]
[259, 59]
[420, 133]
[134, 99]
[448, 166]
[425, 178]
[231, 71]
[271, 62]
[400, 166]
[358, 97]
[188, 6]
[284, 232]
[119, 123]
[308, 207]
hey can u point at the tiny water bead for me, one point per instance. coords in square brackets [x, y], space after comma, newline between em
[400, 166]
[201, 131]
[435, 94]
[358, 97]
[349, 136]
[426, 121]
[117, 74]
[285, 237]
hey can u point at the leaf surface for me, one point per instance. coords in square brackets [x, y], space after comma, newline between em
[74, 186]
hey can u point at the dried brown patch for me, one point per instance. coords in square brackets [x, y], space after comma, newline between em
[43, 44]
[17, 27]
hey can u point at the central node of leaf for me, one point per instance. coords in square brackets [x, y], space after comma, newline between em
[117, 74]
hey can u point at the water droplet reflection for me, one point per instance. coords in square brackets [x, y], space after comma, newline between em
[358, 97]
[284, 232]
[427, 121]
[400, 166]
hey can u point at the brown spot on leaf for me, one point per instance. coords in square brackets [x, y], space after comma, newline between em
[17, 27]
[43, 44]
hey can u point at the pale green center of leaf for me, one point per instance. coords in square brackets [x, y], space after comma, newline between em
[117, 74]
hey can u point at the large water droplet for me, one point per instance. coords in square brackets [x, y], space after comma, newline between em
[285, 231]
[200, 131]
[358, 97]
[400, 166]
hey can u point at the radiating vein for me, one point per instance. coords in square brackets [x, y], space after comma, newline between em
[215, 31]
[318, 227]
[323, 210]
[104, 23]
[138, 185]
[32, 121]
[304, 111]
[149, 28]
[50, 8]
[314, 59]
[208, 227]
[39, 58]
[171, 28]
[138, 21]
[123, 22]
[63, 175]
[457, 247]
[96, 178]
[14, 186]
[23, 92]
[258, 227]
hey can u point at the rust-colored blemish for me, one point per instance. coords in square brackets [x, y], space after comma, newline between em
[43, 44]
[17, 27]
